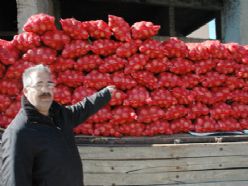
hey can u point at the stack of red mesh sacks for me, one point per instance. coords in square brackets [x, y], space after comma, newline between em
[163, 87]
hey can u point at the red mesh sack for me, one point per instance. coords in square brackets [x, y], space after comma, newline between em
[181, 125]
[152, 48]
[190, 81]
[204, 66]
[62, 64]
[88, 63]
[158, 127]
[137, 97]
[228, 124]
[226, 66]
[136, 62]
[123, 115]
[123, 81]
[146, 79]
[84, 128]
[2, 70]
[74, 28]
[148, 114]
[5, 102]
[55, 39]
[39, 23]
[240, 96]
[10, 87]
[237, 51]
[104, 47]
[98, 29]
[175, 112]
[127, 49]
[112, 63]
[4, 120]
[221, 111]
[75, 48]
[80, 93]
[181, 66]
[233, 82]
[120, 28]
[103, 115]
[162, 98]
[133, 129]
[16, 70]
[40, 55]
[197, 51]
[26, 41]
[183, 96]
[175, 48]
[205, 124]
[13, 109]
[71, 78]
[197, 109]
[8, 53]
[117, 98]
[97, 80]
[221, 94]
[169, 80]
[216, 49]
[144, 30]
[243, 123]
[213, 79]
[239, 110]
[62, 95]
[106, 129]
[157, 65]
[203, 95]
[242, 71]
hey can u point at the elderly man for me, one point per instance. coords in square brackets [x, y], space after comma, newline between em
[38, 146]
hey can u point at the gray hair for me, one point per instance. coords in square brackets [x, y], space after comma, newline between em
[26, 79]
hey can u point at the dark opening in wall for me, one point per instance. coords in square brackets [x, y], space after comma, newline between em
[188, 20]
[131, 11]
[8, 19]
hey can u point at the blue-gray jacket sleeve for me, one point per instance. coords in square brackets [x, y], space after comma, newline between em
[82, 110]
[16, 169]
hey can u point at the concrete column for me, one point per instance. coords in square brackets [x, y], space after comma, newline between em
[26, 8]
[244, 22]
[235, 21]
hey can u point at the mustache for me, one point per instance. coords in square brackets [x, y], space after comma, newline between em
[46, 94]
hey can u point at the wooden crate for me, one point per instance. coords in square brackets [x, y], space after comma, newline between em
[181, 160]
[114, 162]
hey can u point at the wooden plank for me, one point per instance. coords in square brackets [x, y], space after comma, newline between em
[164, 165]
[230, 183]
[163, 139]
[164, 151]
[188, 177]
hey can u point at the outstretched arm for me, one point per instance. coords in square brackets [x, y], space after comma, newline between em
[82, 110]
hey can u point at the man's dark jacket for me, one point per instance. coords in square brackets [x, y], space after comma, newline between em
[40, 150]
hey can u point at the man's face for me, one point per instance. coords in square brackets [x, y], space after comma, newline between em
[40, 92]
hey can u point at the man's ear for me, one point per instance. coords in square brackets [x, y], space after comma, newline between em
[25, 91]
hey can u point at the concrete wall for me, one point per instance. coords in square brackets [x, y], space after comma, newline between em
[26, 8]
[235, 21]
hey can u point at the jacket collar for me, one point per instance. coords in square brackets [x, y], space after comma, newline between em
[34, 116]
